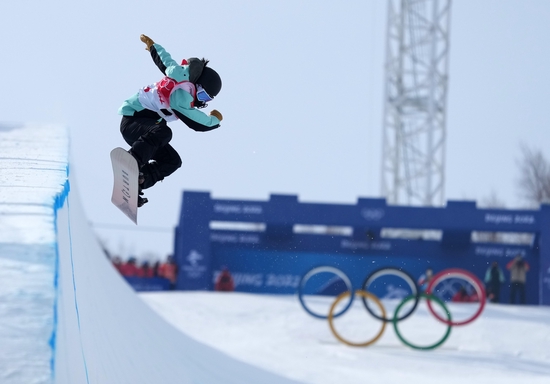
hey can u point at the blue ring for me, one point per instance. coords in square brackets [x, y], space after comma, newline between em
[320, 269]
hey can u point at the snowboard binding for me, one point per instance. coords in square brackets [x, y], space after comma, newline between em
[141, 200]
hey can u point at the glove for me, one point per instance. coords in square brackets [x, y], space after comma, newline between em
[216, 114]
[147, 40]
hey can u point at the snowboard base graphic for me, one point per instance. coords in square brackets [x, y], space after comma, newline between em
[125, 186]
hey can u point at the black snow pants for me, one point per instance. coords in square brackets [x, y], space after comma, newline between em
[149, 139]
[517, 288]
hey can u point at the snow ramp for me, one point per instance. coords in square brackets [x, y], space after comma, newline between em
[80, 322]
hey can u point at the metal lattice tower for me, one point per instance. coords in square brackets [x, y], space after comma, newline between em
[413, 163]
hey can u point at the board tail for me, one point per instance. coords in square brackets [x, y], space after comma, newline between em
[125, 186]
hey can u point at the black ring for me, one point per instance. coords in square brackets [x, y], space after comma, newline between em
[396, 272]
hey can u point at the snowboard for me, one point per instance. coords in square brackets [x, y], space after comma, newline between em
[125, 186]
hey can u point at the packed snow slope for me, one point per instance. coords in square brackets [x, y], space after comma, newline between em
[508, 344]
[33, 171]
[66, 316]
[107, 334]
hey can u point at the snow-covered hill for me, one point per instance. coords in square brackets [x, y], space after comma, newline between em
[506, 345]
[33, 172]
[66, 316]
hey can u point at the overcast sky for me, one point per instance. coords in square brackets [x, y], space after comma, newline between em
[285, 65]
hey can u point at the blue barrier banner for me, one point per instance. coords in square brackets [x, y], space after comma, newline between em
[280, 272]
[272, 255]
[192, 248]
[148, 284]
[542, 246]
[545, 282]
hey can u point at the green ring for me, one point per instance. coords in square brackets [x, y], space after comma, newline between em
[427, 297]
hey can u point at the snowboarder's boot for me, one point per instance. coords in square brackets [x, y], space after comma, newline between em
[141, 200]
[140, 164]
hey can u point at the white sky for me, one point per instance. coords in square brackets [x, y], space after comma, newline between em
[284, 65]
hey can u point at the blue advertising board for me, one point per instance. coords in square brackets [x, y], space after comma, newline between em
[273, 258]
[148, 284]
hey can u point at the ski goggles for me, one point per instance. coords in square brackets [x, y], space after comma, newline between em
[202, 95]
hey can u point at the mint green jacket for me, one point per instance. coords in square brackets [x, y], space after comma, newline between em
[181, 98]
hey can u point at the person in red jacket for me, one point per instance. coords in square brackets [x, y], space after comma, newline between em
[117, 263]
[146, 270]
[462, 296]
[224, 282]
[129, 268]
[169, 270]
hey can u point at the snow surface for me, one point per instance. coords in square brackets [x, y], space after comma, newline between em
[33, 170]
[108, 335]
[66, 316]
[507, 344]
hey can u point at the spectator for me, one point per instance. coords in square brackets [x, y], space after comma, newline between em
[169, 270]
[146, 270]
[494, 277]
[224, 282]
[129, 269]
[156, 267]
[117, 263]
[425, 279]
[462, 296]
[518, 276]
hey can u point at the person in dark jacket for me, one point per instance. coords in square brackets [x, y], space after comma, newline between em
[185, 89]
[493, 280]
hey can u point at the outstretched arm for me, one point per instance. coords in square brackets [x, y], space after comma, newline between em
[162, 59]
[150, 46]
[157, 60]
[168, 66]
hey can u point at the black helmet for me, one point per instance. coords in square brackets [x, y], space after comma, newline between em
[210, 81]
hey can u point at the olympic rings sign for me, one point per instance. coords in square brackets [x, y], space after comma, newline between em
[395, 272]
[365, 295]
[465, 275]
[316, 271]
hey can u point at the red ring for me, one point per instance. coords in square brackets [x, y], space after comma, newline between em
[470, 276]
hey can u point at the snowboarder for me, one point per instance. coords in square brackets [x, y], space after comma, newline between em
[185, 89]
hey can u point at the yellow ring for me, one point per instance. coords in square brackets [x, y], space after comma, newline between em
[366, 295]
